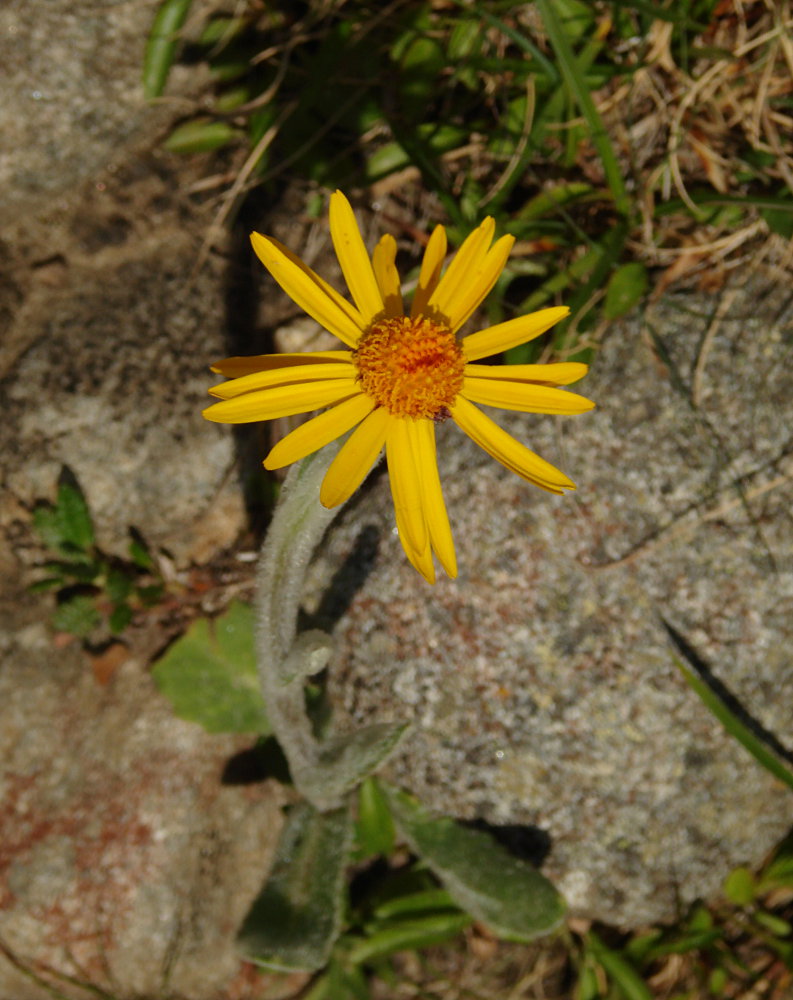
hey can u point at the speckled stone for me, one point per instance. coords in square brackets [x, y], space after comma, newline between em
[126, 865]
[541, 683]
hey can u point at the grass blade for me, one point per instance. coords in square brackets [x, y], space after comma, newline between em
[574, 79]
[734, 726]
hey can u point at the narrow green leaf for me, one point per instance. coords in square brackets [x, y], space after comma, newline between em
[779, 873]
[294, 922]
[771, 922]
[161, 45]
[221, 30]
[416, 902]
[735, 727]
[374, 829]
[552, 199]
[410, 934]
[717, 981]
[200, 136]
[139, 552]
[588, 986]
[680, 946]
[505, 893]
[625, 289]
[49, 583]
[622, 973]
[210, 676]
[482, 11]
[575, 81]
[740, 887]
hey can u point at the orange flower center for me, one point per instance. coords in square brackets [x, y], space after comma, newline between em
[413, 367]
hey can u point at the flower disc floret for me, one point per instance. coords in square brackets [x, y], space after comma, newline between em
[413, 366]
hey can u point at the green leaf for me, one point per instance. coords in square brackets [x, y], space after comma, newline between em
[771, 922]
[505, 893]
[77, 616]
[588, 986]
[49, 583]
[626, 287]
[151, 594]
[120, 617]
[118, 584]
[409, 934]
[200, 136]
[779, 873]
[218, 32]
[739, 887]
[735, 727]
[81, 572]
[75, 518]
[374, 831]
[47, 525]
[622, 973]
[210, 676]
[416, 902]
[552, 199]
[294, 922]
[345, 760]
[139, 552]
[161, 45]
[717, 981]
[779, 220]
[577, 84]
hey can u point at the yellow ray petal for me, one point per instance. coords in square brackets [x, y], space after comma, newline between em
[353, 258]
[562, 373]
[479, 282]
[440, 532]
[387, 276]
[505, 449]
[406, 490]
[431, 264]
[319, 431]
[356, 457]
[466, 261]
[526, 397]
[292, 375]
[420, 561]
[281, 401]
[308, 290]
[235, 367]
[516, 331]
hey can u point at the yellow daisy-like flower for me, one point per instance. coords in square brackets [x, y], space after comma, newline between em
[402, 374]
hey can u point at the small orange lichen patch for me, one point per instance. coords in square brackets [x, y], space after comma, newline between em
[413, 367]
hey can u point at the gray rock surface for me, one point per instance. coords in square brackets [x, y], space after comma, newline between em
[72, 93]
[125, 864]
[541, 682]
[112, 382]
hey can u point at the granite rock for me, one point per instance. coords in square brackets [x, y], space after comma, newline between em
[541, 683]
[126, 864]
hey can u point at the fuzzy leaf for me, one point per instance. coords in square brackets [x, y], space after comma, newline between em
[505, 893]
[375, 827]
[210, 677]
[294, 922]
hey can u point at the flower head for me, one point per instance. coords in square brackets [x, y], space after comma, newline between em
[401, 373]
